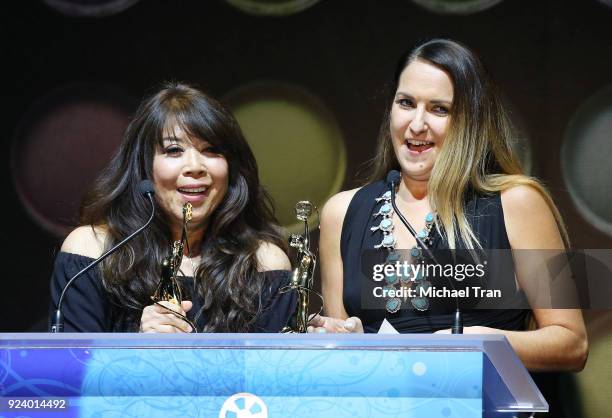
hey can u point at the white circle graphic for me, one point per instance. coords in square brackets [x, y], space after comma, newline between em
[419, 368]
[243, 405]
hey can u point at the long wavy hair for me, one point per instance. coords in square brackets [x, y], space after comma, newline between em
[226, 279]
[477, 153]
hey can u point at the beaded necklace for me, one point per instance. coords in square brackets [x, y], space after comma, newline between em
[418, 281]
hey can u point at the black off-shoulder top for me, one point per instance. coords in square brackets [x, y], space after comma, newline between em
[87, 307]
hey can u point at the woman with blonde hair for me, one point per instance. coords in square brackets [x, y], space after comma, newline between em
[462, 187]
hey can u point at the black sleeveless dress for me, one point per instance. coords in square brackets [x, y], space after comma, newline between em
[485, 215]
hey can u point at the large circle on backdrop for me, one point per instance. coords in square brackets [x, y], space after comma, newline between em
[90, 8]
[272, 7]
[457, 7]
[61, 144]
[586, 157]
[297, 142]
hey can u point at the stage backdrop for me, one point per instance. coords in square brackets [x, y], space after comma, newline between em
[307, 80]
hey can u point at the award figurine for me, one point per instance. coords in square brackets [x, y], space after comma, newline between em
[302, 278]
[168, 288]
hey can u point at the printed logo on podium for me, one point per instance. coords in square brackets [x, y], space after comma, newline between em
[243, 405]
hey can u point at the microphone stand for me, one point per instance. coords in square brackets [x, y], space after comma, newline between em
[457, 327]
[58, 319]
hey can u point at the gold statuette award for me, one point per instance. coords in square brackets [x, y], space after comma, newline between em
[302, 279]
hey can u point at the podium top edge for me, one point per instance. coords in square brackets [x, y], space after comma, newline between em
[420, 342]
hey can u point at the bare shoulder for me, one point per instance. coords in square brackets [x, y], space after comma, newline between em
[524, 204]
[86, 241]
[335, 208]
[529, 219]
[272, 257]
[522, 197]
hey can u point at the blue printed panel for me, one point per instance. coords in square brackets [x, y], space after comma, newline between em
[164, 372]
[282, 372]
[358, 407]
[368, 373]
[287, 382]
[42, 372]
[151, 406]
[281, 407]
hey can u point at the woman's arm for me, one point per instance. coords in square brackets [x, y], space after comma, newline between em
[560, 340]
[332, 281]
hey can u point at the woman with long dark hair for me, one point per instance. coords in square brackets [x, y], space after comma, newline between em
[461, 187]
[235, 261]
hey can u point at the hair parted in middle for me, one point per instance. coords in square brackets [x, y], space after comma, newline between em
[477, 153]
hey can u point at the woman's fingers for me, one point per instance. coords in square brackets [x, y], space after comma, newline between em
[317, 321]
[160, 317]
[312, 329]
[354, 325]
[165, 306]
[320, 324]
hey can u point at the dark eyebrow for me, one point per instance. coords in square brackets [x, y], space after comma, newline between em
[184, 142]
[441, 102]
[436, 102]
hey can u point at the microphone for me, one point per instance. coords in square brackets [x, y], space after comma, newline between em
[146, 188]
[393, 178]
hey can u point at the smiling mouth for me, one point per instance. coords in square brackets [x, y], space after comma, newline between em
[193, 191]
[418, 146]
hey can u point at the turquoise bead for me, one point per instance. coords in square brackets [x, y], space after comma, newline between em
[386, 224]
[421, 304]
[393, 257]
[391, 279]
[388, 240]
[393, 305]
[386, 209]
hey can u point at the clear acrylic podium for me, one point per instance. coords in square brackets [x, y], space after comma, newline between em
[267, 375]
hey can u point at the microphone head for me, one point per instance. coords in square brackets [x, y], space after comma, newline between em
[146, 187]
[393, 177]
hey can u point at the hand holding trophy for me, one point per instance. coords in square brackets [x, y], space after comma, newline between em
[168, 289]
